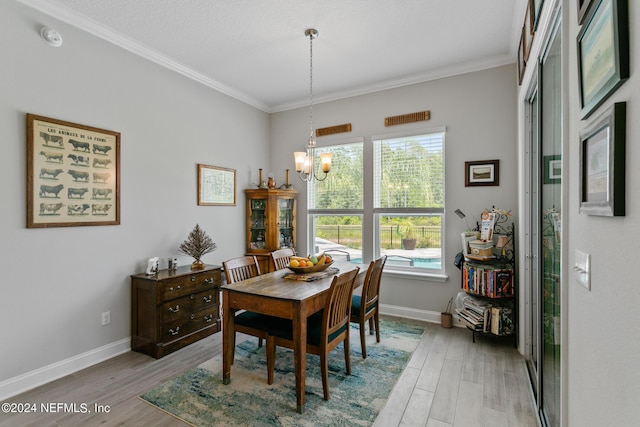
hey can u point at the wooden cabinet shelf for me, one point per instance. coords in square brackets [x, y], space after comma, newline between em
[271, 223]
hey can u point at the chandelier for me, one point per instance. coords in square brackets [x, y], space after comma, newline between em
[305, 161]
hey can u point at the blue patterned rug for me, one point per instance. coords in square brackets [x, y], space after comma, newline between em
[199, 397]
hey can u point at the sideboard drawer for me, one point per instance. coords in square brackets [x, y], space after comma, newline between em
[178, 328]
[182, 306]
[185, 285]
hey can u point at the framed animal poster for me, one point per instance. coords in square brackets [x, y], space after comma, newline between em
[73, 174]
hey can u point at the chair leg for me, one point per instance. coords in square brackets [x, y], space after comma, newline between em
[377, 322]
[347, 354]
[233, 355]
[324, 369]
[259, 342]
[271, 359]
[363, 340]
[370, 325]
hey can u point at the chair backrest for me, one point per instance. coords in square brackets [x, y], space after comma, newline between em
[371, 285]
[281, 258]
[337, 312]
[241, 268]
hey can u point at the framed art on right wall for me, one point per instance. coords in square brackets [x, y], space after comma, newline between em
[602, 164]
[603, 53]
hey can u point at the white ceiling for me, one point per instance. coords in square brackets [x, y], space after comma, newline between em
[256, 50]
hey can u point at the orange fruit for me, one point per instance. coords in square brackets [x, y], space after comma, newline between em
[327, 259]
[302, 263]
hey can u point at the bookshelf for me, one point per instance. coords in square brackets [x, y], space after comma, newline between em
[487, 303]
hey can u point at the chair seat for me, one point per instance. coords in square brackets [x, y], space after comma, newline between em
[283, 328]
[253, 320]
[356, 304]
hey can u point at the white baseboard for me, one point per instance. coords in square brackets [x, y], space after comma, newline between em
[27, 381]
[416, 314]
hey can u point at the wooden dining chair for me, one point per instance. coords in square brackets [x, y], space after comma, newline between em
[325, 329]
[281, 258]
[366, 307]
[247, 322]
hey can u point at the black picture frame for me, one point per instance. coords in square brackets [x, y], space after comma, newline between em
[602, 163]
[552, 169]
[481, 173]
[603, 53]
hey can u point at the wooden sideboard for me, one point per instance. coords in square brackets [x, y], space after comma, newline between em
[172, 309]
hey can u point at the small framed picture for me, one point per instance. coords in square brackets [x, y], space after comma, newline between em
[216, 186]
[552, 169]
[481, 173]
[602, 164]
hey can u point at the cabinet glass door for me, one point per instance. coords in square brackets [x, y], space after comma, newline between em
[257, 239]
[285, 223]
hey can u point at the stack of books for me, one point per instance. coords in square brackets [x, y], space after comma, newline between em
[473, 313]
[482, 316]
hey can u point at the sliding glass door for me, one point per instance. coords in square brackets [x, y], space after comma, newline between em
[543, 114]
[550, 215]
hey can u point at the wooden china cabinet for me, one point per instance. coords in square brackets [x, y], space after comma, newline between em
[271, 223]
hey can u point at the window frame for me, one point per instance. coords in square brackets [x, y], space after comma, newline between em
[371, 215]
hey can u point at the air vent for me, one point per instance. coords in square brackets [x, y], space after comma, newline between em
[334, 129]
[407, 118]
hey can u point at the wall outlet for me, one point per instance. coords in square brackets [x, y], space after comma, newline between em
[106, 318]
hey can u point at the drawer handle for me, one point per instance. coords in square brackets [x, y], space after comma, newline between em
[174, 310]
[193, 316]
[207, 299]
[176, 332]
[208, 281]
[208, 318]
[193, 278]
[177, 288]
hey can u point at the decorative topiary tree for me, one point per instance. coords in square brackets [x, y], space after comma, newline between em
[197, 244]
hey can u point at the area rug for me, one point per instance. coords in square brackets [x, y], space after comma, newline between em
[199, 397]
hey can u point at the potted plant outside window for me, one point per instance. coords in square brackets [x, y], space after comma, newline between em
[409, 237]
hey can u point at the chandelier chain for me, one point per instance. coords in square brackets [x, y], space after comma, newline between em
[311, 85]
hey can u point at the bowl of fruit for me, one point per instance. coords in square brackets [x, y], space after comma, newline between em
[310, 264]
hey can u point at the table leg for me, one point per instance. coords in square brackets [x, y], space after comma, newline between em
[300, 355]
[227, 338]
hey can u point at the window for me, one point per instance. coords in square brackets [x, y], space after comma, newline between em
[406, 178]
[408, 205]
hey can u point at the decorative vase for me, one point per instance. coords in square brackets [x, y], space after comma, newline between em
[197, 265]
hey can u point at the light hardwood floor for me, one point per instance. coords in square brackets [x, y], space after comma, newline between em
[449, 381]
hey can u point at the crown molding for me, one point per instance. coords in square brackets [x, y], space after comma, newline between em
[450, 71]
[90, 26]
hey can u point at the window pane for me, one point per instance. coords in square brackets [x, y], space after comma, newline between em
[343, 187]
[339, 235]
[409, 172]
[411, 241]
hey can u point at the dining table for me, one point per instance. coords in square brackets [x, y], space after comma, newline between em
[275, 295]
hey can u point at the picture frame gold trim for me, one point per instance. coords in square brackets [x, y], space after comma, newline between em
[216, 186]
[73, 174]
[482, 173]
[602, 163]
